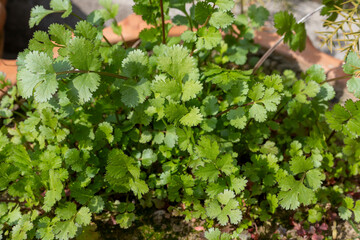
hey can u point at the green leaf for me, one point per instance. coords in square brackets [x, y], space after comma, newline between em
[314, 178]
[258, 15]
[202, 11]
[62, 5]
[45, 230]
[208, 38]
[293, 193]
[167, 88]
[170, 137]
[209, 172]
[59, 34]
[125, 220]
[19, 231]
[314, 216]
[225, 164]
[213, 234]
[55, 189]
[134, 93]
[210, 106]
[237, 118]
[174, 112]
[188, 36]
[37, 14]
[299, 164]
[39, 76]
[274, 81]
[353, 85]
[66, 211]
[96, 204]
[148, 157]
[315, 73]
[193, 118]
[105, 130]
[135, 64]
[139, 187]
[269, 148]
[344, 213]
[258, 112]
[225, 197]
[257, 91]
[83, 55]
[207, 148]
[225, 5]
[295, 33]
[356, 211]
[190, 89]
[221, 19]
[352, 63]
[86, 30]
[237, 184]
[176, 61]
[86, 84]
[83, 217]
[65, 230]
[337, 117]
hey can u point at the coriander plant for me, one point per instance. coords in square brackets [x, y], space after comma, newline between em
[102, 131]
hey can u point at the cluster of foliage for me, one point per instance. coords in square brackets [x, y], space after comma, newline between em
[102, 131]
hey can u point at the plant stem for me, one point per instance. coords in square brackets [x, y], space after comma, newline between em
[107, 41]
[280, 109]
[335, 79]
[162, 21]
[233, 107]
[100, 73]
[77, 16]
[354, 227]
[6, 93]
[272, 49]
[208, 18]
[189, 18]
[330, 136]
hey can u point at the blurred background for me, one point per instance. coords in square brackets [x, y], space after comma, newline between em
[16, 32]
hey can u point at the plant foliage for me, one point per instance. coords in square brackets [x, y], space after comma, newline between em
[103, 131]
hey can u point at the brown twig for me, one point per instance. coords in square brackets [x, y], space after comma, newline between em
[162, 21]
[208, 18]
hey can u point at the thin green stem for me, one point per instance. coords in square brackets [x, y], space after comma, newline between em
[20, 115]
[354, 227]
[107, 41]
[329, 137]
[100, 73]
[335, 79]
[232, 108]
[190, 20]
[280, 109]
[162, 22]
[77, 16]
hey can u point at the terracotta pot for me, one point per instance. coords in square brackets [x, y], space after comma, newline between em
[133, 24]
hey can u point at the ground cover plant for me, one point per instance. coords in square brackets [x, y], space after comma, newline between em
[101, 132]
